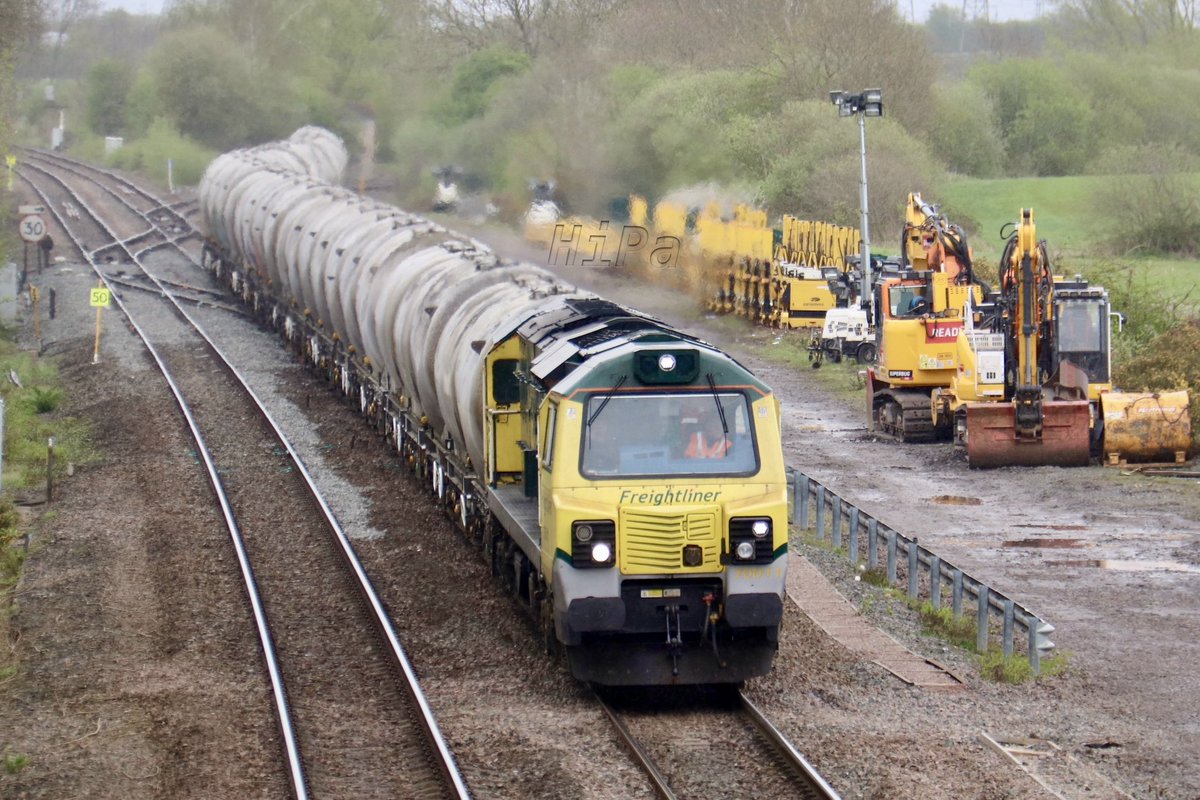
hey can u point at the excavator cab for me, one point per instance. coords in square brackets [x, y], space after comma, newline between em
[1082, 332]
[908, 300]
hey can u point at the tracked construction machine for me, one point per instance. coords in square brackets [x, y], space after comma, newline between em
[1020, 375]
[1034, 384]
[918, 314]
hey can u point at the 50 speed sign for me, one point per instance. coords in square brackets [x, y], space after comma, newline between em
[33, 228]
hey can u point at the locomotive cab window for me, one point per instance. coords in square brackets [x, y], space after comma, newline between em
[667, 435]
[548, 437]
[505, 388]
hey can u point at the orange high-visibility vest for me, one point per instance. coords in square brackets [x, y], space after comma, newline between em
[698, 447]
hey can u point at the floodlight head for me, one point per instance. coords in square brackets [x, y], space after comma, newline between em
[872, 103]
[845, 110]
[837, 97]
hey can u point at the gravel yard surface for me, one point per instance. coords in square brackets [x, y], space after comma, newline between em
[115, 696]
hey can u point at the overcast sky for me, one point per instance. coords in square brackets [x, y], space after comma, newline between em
[998, 10]
[134, 6]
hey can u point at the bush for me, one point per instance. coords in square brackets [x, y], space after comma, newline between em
[1046, 126]
[163, 143]
[108, 86]
[815, 169]
[964, 133]
[471, 89]
[210, 91]
[1153, 200]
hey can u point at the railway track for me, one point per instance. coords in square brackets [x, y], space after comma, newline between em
[352, 719]
[711, 743]
[155, 228]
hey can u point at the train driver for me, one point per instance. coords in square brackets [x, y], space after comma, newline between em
[709, 440]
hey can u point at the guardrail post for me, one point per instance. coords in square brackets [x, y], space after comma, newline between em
[956, 593]
[1008, 628]
[803, 513]
[854, 535]
[837, 520]
[793, 496]
[891, 555]
[872, 544]
[912, 568]
[820, 512]
[981, 619]
[935, 582]
[1035, 657]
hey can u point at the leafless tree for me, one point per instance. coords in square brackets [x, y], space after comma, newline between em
[527, 25]
[1130, 22]
[61, 16]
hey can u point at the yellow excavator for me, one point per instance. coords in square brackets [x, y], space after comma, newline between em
[918, 312]
[1032, 384]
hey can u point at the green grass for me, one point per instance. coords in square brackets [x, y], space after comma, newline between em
[1067, 218]
[1015, 669]
[32, 417]
[1062, 208]
[15, 762]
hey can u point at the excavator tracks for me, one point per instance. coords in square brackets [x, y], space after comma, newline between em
[905, 416]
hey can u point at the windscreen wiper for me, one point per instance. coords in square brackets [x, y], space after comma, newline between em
[620, 382]
[712, 385]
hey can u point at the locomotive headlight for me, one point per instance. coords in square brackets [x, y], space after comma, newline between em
[760, 528]
[593, 543]
[745, 550]
[666, 362]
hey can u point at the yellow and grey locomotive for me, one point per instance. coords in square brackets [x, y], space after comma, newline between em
[625, 480]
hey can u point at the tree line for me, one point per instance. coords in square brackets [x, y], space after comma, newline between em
[608, 97]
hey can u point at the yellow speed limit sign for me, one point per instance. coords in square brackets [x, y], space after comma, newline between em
[101, 298]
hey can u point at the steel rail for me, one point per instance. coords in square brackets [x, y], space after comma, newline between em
[445, 758]
[278, 690]
[658, 780]
[807, 771]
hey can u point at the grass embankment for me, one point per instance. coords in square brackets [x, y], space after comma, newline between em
[1068, 218]
[32, 393]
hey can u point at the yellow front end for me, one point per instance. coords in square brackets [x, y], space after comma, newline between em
[662, 573]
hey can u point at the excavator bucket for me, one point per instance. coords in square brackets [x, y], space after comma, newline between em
[992, 439]
[1146, 427]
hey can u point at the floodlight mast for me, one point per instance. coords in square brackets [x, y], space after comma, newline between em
[868, 103]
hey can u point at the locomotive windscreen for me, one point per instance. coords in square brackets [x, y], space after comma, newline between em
[669, 434]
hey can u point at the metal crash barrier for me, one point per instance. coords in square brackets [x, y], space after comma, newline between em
[817, 508]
